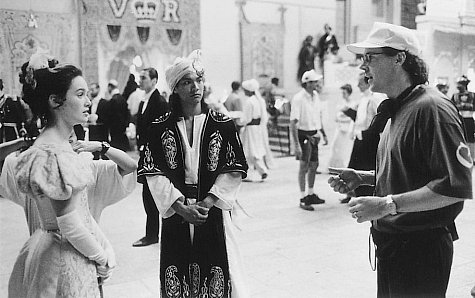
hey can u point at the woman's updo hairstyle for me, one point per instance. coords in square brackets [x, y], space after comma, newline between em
[42, 77]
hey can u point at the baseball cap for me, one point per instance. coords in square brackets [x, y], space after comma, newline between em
[113, 83]
[388, 35]
[311, 75]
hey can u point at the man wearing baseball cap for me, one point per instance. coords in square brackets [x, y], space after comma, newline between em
[307, 130]
[423, 172]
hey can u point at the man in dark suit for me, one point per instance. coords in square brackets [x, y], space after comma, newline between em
[121, 118]
[150, 108]
[99, 119]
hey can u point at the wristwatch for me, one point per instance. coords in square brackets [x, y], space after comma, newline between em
[391, 205]
[105, 147]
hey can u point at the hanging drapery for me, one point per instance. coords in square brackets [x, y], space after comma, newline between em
[143, 33]
[174, 35]
[114, 32]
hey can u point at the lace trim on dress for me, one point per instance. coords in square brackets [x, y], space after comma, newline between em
[51, 170]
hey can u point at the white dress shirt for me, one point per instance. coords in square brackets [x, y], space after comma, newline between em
[145, 100]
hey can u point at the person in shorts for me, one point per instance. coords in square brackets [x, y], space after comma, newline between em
[307, 129]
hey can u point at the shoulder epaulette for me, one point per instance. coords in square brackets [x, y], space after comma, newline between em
[162, 118]
[219, 117]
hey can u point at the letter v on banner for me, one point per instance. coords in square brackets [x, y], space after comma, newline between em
[118, 9]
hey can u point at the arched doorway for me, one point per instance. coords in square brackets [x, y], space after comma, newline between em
[125, 62]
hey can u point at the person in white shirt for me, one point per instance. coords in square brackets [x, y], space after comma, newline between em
[363, 155]
[342, 143]
[234, 103]
[307, 130]
[254, 114]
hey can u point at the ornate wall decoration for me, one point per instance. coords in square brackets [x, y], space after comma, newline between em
[263, 56]
[170, 13]
[143, 33]
[18, 41]
[262, 45]
[82, 37]
[154, 44]
[24, 48]
[114, 32]
[174, 35]
[118, 9]
[145, 10]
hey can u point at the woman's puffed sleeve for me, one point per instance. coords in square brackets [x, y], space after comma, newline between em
[51, 173]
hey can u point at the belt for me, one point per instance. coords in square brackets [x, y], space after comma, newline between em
[52, 230]
[379, 236]
[9, 124]
[466, 114]
[191, 191]
[256, 121]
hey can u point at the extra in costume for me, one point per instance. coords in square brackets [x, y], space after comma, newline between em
[465, 102]
[195, 260]
[48, 265]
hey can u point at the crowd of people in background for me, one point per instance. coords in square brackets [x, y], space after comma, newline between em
[189, 187]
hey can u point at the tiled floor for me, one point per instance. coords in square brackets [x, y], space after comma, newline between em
[287, 252]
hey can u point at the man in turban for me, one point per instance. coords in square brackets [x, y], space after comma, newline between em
[193, 163]
[254, 113]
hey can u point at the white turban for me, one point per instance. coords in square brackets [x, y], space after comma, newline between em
[251, 85]
[183, 66]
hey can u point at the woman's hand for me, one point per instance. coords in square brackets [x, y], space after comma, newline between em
[105, 271]
[86, 146]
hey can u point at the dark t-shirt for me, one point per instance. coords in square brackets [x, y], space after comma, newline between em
[423, 145]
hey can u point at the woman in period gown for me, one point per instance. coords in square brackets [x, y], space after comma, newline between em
[67, 255]
[110, 182]
[342, 142]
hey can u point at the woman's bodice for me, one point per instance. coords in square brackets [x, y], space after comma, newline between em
[50, 171]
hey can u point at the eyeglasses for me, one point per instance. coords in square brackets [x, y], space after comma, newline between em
[366, 58]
